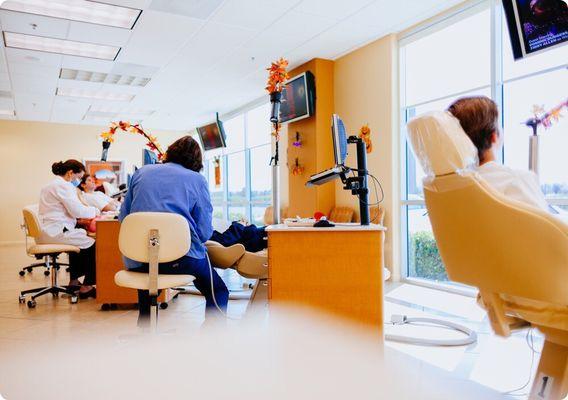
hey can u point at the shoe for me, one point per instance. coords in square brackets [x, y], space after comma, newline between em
[91, 293]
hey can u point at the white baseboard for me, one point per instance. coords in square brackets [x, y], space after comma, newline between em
[12, 243]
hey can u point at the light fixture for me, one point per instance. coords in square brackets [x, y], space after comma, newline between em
[101, 77]
[60, 46]
[92, 12]
[113, 111]
[94, 94]
[7, 113]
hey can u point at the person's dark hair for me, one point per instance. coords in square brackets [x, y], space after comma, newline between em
[478, 117]
[186, 152]
[83, 181]
[60, 168]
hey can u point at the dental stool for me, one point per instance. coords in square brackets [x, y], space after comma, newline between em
[515, 254]
[153, 238]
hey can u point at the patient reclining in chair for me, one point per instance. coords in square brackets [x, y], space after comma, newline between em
[478, 117]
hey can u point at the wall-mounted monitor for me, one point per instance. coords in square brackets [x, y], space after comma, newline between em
[298, 98]
[536, 25]
[212, 135]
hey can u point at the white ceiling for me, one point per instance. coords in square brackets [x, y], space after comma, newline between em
[203, 56]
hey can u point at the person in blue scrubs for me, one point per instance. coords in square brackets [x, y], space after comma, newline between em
[176, 186]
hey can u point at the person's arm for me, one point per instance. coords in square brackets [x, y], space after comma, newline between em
[203, 212]
[71, 202]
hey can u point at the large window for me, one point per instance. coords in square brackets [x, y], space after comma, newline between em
[470, 54]
[245, 189]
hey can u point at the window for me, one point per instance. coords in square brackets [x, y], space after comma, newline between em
[452, 59]
[246, 181]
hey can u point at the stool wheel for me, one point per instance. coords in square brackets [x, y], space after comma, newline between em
[105, 307]
[22, 273]
[31, 303]
[74, 299]
[163, 306]
[46, 272]
[29, 269]
[22, 299]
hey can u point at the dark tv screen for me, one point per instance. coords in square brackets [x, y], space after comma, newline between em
[536, 25]
[298, 98]
[212, 136]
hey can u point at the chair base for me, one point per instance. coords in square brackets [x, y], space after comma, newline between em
[43, 264]
[52, 268]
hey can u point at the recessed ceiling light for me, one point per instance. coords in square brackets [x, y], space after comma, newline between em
[60, 46]
[78, 10]
[94, 94]
[101, 77]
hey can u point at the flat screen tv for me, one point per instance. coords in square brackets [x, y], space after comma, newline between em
[536, 25]
[298, 98]
[212, 135]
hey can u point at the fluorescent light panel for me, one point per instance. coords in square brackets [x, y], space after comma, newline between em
[94, 94]
[78, 10]
[101, 77]
[7, 113]
[112, 108]
[60, 46]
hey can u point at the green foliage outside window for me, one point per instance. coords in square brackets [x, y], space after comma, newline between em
[424, 258]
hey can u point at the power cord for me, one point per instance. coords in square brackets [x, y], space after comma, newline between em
[403, 319]
[213, 290]
[530, 342]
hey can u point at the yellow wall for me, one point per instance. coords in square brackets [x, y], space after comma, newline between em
[366, 92]
[27, 150]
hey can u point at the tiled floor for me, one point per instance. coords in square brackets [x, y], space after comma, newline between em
[483, 370]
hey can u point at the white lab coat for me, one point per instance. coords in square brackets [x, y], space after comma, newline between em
[59, 208]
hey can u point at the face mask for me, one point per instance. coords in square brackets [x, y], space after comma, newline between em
[76, 182]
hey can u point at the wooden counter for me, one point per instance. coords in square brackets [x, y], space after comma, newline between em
[336, 270]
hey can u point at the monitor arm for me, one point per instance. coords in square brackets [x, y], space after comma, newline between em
[358, 184]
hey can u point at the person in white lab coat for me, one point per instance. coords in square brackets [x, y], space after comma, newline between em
[478, 117]
[59, 209]
[94, 198]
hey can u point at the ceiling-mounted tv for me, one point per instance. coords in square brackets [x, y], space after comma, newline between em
[536, 25]
[212, 135]
[298, 98]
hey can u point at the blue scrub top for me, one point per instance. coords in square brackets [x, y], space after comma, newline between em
[173, 188]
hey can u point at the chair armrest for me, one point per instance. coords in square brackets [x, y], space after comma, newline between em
[254, 265]
[224, 257]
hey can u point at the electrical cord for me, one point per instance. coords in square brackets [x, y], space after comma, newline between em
[213, 290]
[403, 319]
[533, 352]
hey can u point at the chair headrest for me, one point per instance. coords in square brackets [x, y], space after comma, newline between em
[440, 144]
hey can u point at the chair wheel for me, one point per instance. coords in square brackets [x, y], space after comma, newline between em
[105, 307]
[163, 306]
[22, 273]
[22, 299]
[29, 269]
[46, 272]
[74, 299]
[31, 303]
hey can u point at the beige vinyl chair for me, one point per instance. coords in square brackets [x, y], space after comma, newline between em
[153, 238]
[50, 253]
[516, 255]
[248, 264]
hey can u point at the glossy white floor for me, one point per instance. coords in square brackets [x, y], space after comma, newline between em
[73, 339]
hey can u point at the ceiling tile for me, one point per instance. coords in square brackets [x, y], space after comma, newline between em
[200, 9]
[24, 23]
[336, 9]
[87, 64]
[19, 56]
[151, 44]
[99, 34]
[33, 107]
[252, 14]
[139, 4]
[33, 84]
[5, 81]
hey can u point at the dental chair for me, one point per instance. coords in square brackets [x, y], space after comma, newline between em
[516, 255]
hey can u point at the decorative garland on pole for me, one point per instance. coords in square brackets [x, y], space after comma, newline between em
[546, 119]
[108, 138]
[277, 77]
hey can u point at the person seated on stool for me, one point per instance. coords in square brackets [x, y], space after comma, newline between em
[478, 117]
[176, 186]
[59, 209]
[95, 198]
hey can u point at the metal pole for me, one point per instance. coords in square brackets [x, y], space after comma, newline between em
[362, 173]
[533, 153]
[276, 193]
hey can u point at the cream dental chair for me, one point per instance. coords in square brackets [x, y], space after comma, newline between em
[153, 238]
[516, 255]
